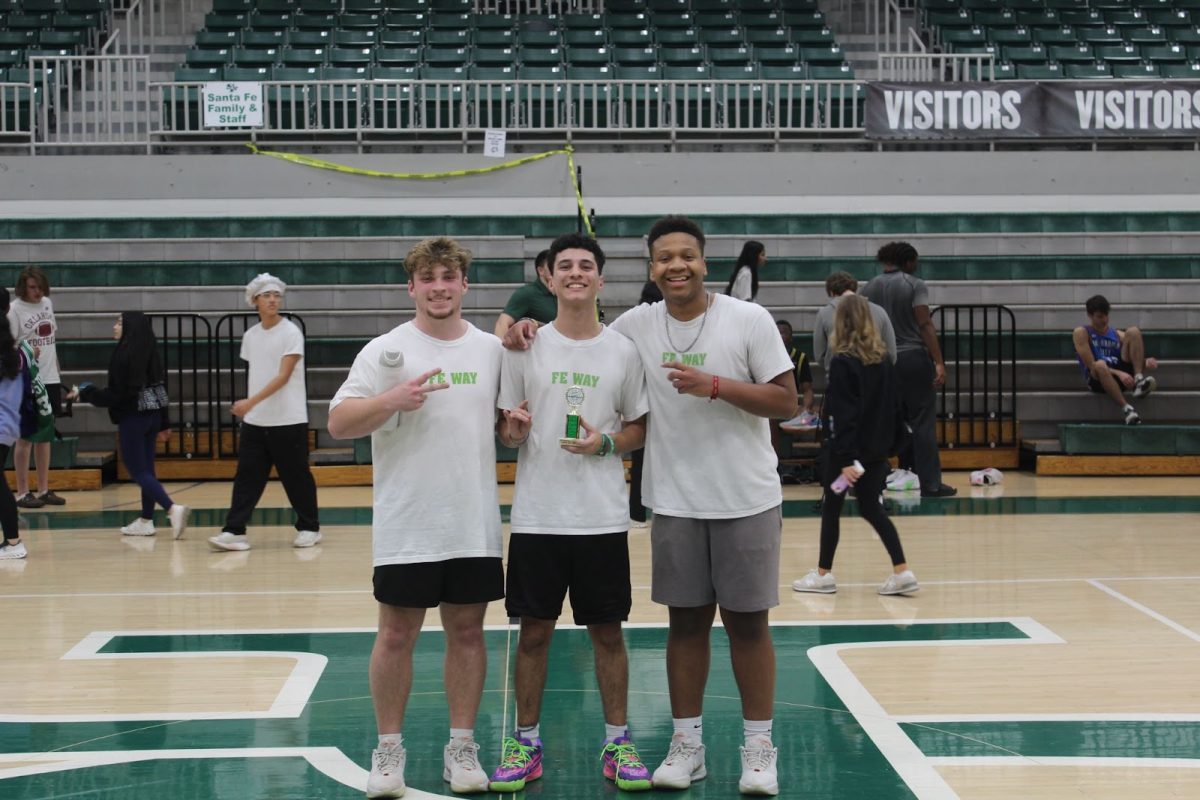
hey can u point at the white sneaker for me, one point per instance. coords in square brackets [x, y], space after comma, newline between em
[1131, 416]
[684, 763]
[804, 421]
[229, 541]
[814, 581]
[12, 552]
[900, 583]
[305, 539]
[461, 767]
[387, 773]
[1145, 386]
[759, 773]
[139, 527]
[639, 524]
[901, 480]
[179, 519]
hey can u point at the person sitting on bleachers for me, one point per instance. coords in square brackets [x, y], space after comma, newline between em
[1113, 361]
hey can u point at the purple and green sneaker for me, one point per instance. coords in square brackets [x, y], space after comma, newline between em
[520, 762]
[623, 765]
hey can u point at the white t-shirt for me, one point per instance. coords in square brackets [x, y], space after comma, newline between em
[265, 349]
[743, 285]
[35, 323]
[435, 468]
[708, 460]
[560, 492]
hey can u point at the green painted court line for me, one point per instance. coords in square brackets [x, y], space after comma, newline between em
[792, 509]
[1137, 738]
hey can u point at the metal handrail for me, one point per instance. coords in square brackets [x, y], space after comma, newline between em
[978, 401]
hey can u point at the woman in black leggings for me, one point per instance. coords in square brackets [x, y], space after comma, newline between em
[861, 405]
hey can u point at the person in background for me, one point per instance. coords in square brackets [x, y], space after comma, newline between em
[12, 392]
[1113, 361]
[806, 420]
[31, 317]
[743, 283]
[637, 511]
[534, 300]
[274, 421]
[861, 406]
[134, 371]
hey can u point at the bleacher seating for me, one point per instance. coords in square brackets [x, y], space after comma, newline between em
[376, 35]
[1079, 39]
[48, 27]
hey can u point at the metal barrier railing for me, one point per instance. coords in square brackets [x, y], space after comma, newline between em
[977, 405]
[949, 67]
[185, 346]
[89, 101]
[230, 373]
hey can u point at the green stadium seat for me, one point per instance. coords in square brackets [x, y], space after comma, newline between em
[87, 6]
[1186, 36]
[1119, 54]
[762, 19]
[236, 73]
[1087, 71]
[61, 39]
[1165, 54]
[303, 57]
[769, 36]
[17, 22]
[1041, 18]
[541, 56]
[635, 56]
[587, 56]
[255, 57]
[822, 55]
[1082, 16]
[452, 6]
[804, 19]
[196, 74]
[583, 22]
[395, 72]
[495, 22]
[447, 56]
[717, 19]
[495, 37]
[634, 37]
[954, 37]
[1003, 36]
[208, 58]
[403, 20]
[1039, 72]
[681, 56]
[781, 54]
[956, 18]
[390, 37]
[784, 72]
[445, 37]
[668, 5]
[1185, 71]
[811, 37]
[678, 37]
[395, 56]
[320, 6]
[359, 21]
[303, 39]
[836, 72]
[1126, 17]
[632, 20]
[1005, 18]
[1001, 71]
[626, 6]
[327, 23]
[670, 21]
[729, 55]
[1021, 54]
[533, 37]
[219, 40]
[734, 36]
[495, 56]
[17, 40]
[1076, 54]
[585, 38]
[350, 56]
[262, 21]
[409, 6]
[42, 6]
[1145, 35]
[1059, 35]
[275, 6]
[355, 38]
[714, 5]
[736, 72]
[1139, 70]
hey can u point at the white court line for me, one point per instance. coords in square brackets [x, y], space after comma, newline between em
[1063, 761]
[310, 592]
[913, 766]
[1170, 623]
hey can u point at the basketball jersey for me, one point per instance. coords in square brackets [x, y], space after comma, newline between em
[1106, 347]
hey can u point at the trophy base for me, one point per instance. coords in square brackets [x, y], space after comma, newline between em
[569, 440]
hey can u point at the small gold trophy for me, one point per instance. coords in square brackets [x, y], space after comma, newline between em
[574, 402]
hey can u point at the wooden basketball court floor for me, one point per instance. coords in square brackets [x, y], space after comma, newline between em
[1051, 653]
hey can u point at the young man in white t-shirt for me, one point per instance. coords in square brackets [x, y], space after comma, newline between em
[426, 393]
[570, 521]
[31, 318]
[274, 417]
[716, 370]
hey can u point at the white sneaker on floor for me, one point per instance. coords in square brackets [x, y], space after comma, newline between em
[900, 583]
[814, 581]
[901, 480]
[461, 767]
[306, 539]
[684, 763]
[179, 519]
[759, 771]
[139, 527]
[639, 524]
[12, 552]
[1145, 386]
[229, 541]
[387, 773]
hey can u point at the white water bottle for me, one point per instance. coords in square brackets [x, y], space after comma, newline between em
[840, 485]
[390, 374]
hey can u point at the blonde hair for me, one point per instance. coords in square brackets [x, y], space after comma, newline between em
[440, 251]
[854, 332]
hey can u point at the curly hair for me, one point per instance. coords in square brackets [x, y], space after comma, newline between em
[440, 251]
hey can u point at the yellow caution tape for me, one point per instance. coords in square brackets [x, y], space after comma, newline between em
[317, 163]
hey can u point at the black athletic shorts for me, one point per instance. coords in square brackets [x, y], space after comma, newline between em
[1097, 387]
[463, 581]
[594, 569]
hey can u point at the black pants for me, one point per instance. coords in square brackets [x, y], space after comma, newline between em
[286, 448]
[918, 401]
[8, 503]
[866, 492]
[637, 511]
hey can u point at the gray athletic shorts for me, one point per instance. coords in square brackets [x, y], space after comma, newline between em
[731, 562]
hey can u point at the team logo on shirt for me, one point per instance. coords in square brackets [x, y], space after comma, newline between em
[687, 359]
[575, 378]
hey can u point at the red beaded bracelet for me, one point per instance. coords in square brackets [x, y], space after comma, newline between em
[716, 388]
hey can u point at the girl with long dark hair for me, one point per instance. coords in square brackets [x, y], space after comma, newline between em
[135, 372]
[862, 408]
[12, 388]
[743, 283]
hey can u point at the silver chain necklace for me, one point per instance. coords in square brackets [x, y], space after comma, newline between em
[703, 319]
